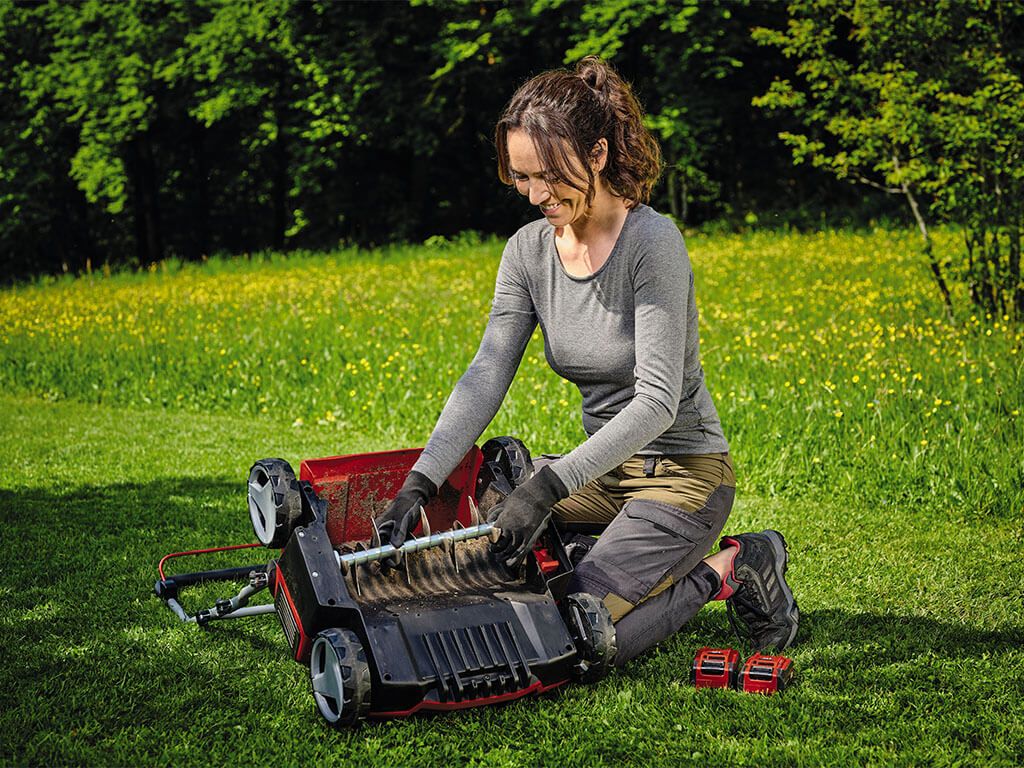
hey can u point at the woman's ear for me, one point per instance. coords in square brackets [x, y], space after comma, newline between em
[599, 155]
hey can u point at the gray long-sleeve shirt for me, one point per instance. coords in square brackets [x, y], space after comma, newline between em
[625, 335]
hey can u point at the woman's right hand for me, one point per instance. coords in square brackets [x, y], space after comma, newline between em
[395, 523]
[521, 517]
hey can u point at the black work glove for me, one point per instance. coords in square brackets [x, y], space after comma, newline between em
[521, 516]
[395, 522]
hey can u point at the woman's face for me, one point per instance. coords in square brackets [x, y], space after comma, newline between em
[560, 203]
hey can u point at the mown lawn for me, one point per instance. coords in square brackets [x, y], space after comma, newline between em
[885, 441]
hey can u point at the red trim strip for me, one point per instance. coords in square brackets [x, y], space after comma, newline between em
[302, 652]
[160, 567]
[447, 706]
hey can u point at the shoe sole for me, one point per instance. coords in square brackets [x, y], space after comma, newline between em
[782, 556]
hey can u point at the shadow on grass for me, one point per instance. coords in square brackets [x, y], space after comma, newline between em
[891, 638]
[95, 533]
[90, 553]
[78, 602]
[864, 644]
[125, 508]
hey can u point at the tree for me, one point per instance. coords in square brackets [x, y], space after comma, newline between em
[289, 76]
[103, 76]
[144, 129]
[692, 46]
[695, 69]
[921, 99]
[45, 223]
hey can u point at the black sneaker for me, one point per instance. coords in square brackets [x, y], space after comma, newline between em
[763, 608]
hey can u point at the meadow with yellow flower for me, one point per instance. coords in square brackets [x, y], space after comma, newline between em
[885, 438]
[828, 355]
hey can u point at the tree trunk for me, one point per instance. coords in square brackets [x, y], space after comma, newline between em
[73, 244]
[926, 248]
[1016, 286]
[146, 205]
[201, 197]
[673, 197]
[972, 281]
[992, 259]
[279, 171]
[684, 201]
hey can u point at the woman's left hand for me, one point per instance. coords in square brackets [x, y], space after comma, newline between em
[521, 516]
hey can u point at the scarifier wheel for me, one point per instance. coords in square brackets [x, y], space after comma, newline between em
[590, 625]
[511, 457]
[275, 502]
[340, 677]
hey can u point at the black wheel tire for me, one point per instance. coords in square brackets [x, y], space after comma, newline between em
[340, 678]
[590, 625]
[275, 501]
[511, 456]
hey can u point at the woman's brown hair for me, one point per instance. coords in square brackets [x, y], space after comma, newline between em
[565, 112]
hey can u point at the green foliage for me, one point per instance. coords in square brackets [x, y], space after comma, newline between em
[692, 46]
[103, 76]
[39, 211]
[277, 71]
[151, 128]
[918, 99]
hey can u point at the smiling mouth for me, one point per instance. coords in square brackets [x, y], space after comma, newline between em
[550, 208]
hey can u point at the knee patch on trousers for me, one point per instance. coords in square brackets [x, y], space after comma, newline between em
[619, 606]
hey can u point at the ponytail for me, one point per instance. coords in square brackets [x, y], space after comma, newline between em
[634, 158]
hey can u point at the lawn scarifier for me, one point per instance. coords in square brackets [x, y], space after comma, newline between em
[435, 624]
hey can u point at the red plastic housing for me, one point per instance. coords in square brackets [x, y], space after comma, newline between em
[715, 668]
[766, 674]
[357, 488]
[445, 706]
[298, 640]
[547, 563]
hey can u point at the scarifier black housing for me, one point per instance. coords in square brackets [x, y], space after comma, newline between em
[496, 640]
[445, 628]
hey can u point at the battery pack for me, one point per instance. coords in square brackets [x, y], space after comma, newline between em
[715, 668]
[765, 674]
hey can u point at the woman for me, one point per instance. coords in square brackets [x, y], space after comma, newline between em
[609, 281]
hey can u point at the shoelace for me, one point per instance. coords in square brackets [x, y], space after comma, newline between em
[749, 618]
[751, 628]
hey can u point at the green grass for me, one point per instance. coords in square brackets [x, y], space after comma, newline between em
[126, 433]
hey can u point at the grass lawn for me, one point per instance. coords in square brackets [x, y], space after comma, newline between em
[885, 441]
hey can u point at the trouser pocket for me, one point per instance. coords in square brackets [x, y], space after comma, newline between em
[648, 542]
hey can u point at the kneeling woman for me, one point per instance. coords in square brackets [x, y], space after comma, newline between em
[609, 281]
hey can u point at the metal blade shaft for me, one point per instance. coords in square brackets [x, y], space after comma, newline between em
[414, 545]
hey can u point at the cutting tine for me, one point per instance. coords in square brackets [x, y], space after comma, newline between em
[453, 552]
[374, 535]
[408, 571]
[424, 523]
[474, 513]
[450, 548]
[355, 571]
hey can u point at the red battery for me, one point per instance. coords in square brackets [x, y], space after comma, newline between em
[715, 668]
[765, 674]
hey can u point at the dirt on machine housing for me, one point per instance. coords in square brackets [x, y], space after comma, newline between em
[436, 624]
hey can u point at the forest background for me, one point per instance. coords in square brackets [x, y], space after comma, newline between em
[141, 130]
